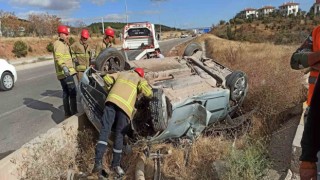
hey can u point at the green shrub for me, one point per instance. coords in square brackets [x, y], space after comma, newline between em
[20, 49]
[50, 47]
[250, 162]
[30, 49]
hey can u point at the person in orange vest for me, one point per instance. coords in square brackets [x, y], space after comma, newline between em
[108, 40]
[65, 71]
[308, 55]
[81, 51]
[119, 108]
[310, 142]
[300, 60]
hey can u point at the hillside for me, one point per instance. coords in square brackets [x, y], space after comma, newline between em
[274, 29]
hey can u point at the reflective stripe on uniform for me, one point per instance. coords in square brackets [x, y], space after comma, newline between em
[81, 68]
[103, 142]
[134, 86]
[117, 151]
[145, 88]
[108, 79]
[123, 101]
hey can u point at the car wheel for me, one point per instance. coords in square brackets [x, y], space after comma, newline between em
[110, 59]
[7, 81]
[237, 82]
[191, 49]
[158, 111]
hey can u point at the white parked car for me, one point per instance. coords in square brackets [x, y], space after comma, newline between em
[8, 75]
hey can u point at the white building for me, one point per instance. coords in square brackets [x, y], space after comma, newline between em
[316, 7]
[289, 8]
[265, 10]
[249, 12]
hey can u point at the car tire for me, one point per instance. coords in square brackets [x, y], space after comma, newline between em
[191, 49]
[110, 59]
[237, 82]
[7, 81]
[158, 113]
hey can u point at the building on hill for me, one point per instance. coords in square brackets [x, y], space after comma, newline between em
[289, 8]
[248, 12]
[316, 7]
[265, 10]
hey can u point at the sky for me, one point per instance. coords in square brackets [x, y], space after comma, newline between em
[174, 13]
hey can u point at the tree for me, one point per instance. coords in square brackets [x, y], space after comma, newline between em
[43, 24]
[10, 24]
[222, 22]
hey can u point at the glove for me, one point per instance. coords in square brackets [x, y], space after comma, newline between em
[308, 170]
[66, 71]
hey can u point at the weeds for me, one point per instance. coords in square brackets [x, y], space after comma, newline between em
[249, 162]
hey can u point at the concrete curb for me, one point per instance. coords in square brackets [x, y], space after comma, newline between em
[30, 60]
[296, 147]
[64, 135]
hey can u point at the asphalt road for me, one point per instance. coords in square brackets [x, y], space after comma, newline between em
[34, 105]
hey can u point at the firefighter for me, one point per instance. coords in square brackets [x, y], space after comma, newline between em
[119, 108]
[108, 40]
[81, 53]
[65, 71]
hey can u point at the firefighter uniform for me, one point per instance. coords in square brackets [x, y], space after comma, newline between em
[119, 108]
[107, 41]
[62, 58]
[81, 55]
[101, 46]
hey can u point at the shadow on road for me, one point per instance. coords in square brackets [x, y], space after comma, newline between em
[4, 154]
[57, 115]
[53, 93]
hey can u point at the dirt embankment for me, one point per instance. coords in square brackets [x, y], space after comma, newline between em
[37, 46]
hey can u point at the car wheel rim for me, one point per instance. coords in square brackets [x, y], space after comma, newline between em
[7, 81]
[112, 63]
[239, 88]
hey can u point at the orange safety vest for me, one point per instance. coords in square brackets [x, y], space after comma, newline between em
[313, 73]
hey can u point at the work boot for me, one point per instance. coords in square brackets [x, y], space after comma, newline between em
[97, 168]
[118, 170]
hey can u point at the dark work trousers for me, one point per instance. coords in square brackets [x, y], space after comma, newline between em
[69, 96]
[112, 114]
[310, 141]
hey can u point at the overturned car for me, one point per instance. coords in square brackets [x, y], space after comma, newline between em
[190, 93]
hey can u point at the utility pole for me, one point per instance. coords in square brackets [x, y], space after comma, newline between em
[159, 21]
[0, 29]
[102, 25]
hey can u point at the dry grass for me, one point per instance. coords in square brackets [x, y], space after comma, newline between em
[47, 160]
[273, 85]
[273, 88]
[38, 45]
[185, 162]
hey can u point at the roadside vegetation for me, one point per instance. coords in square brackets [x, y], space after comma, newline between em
[273, 89]
[274, 28]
